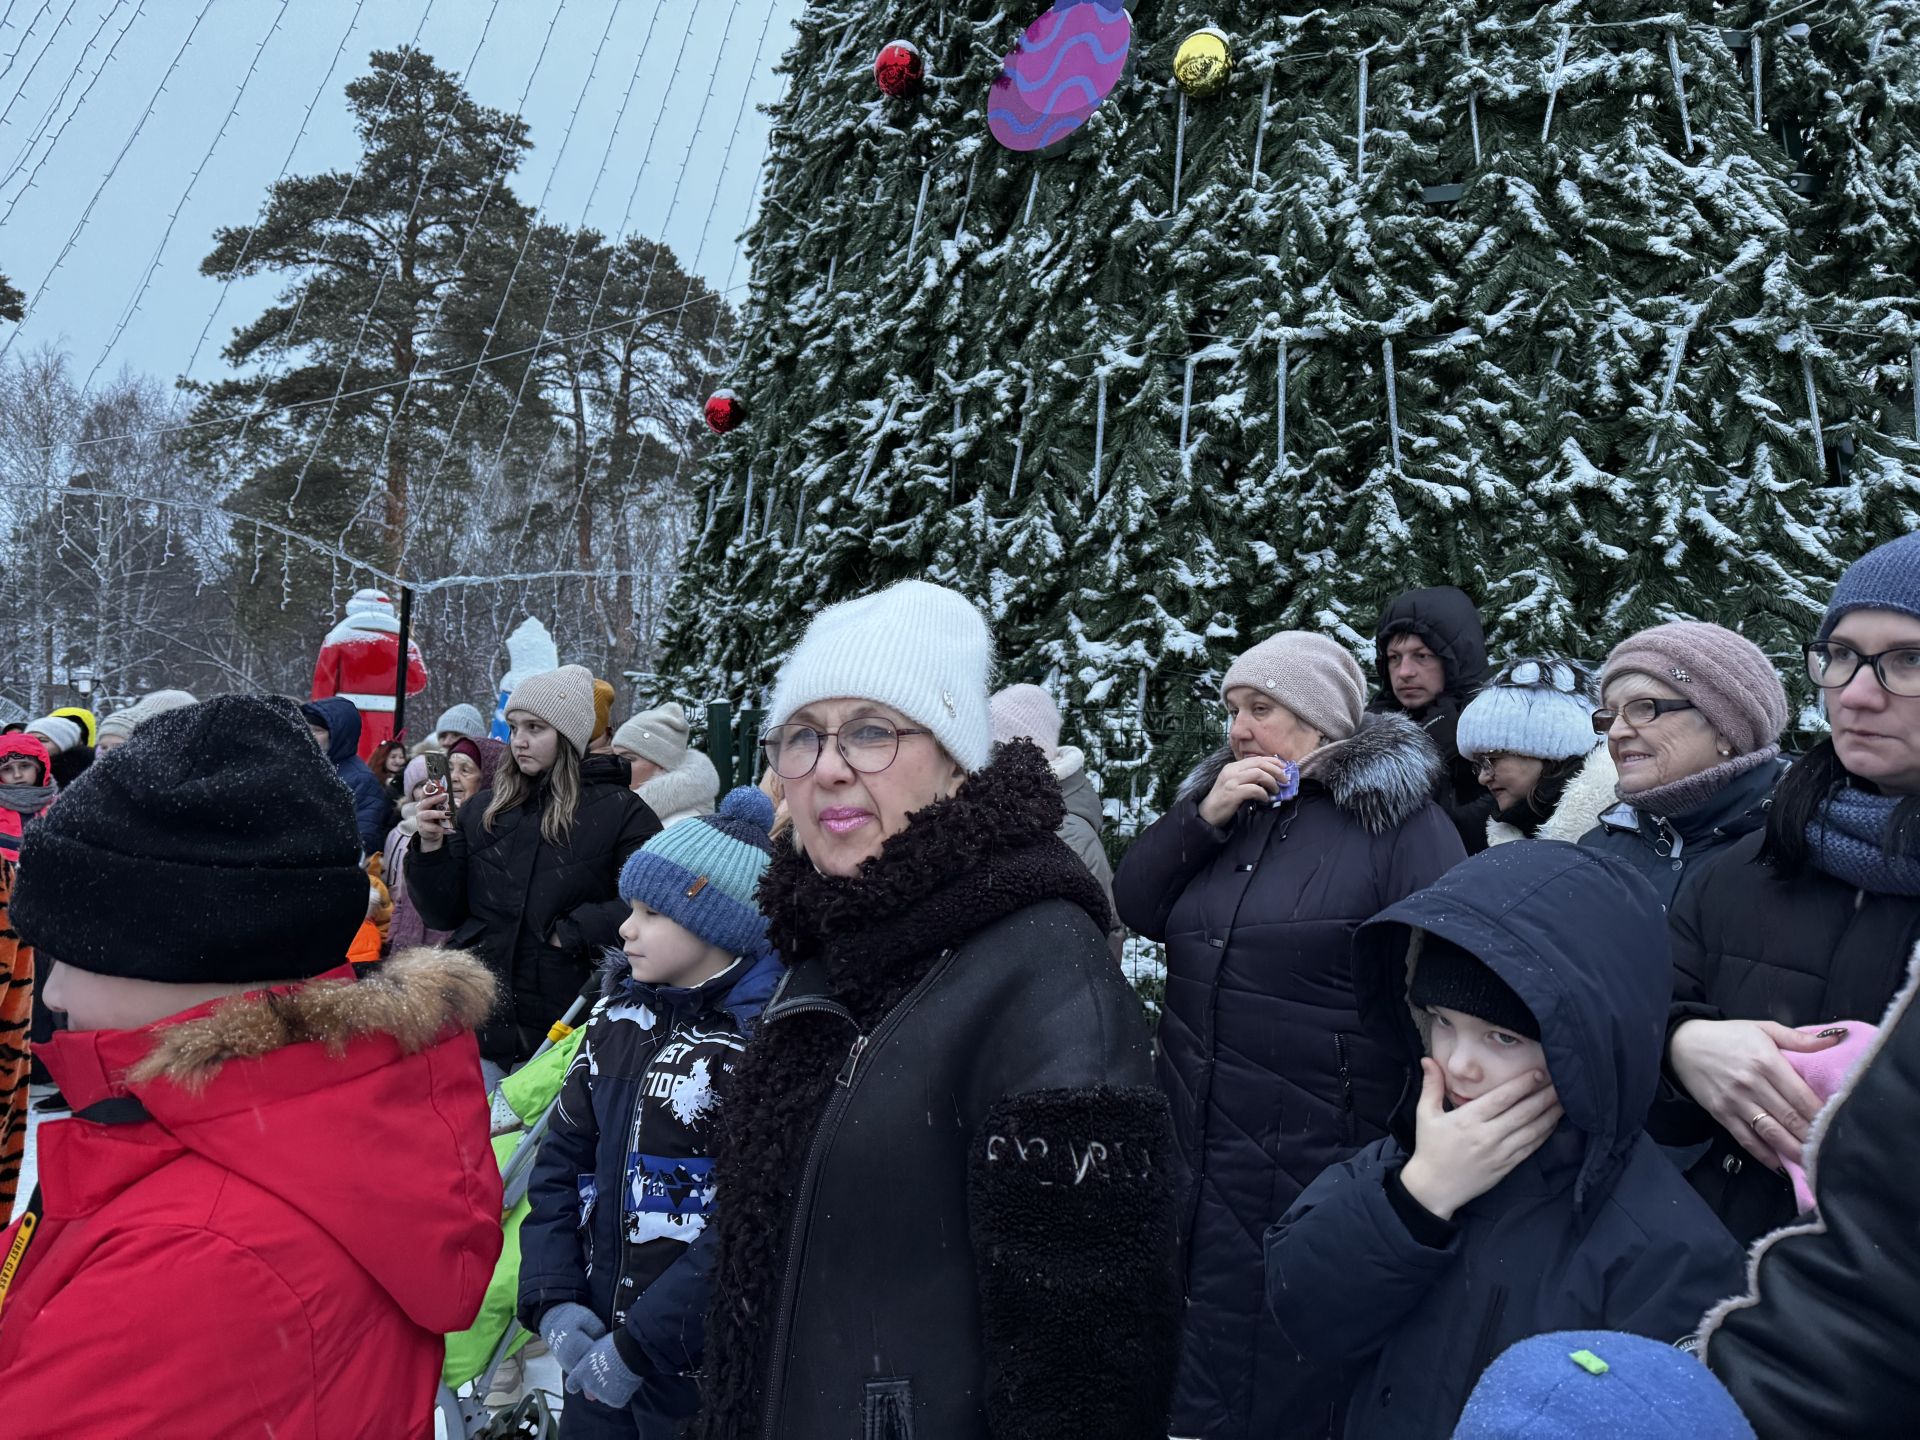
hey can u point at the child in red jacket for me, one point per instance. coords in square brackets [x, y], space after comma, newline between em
[276, 1193]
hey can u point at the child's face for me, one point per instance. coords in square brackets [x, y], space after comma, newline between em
[661, 952]
[1475, 1056]
[19, 770]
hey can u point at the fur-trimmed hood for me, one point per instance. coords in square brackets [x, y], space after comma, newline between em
[1588, 795]
[691, 788]
[353, 1106]
[415, 998]
[1381, 775]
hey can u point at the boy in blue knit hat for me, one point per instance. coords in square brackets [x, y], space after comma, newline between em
[615, 1260]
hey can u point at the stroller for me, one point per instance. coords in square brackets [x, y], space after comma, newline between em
[522, 1107]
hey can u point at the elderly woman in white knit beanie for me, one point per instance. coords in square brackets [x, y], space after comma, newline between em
[1313, 818]
[944, 1164]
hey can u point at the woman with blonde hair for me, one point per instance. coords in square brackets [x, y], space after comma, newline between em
[530, 878]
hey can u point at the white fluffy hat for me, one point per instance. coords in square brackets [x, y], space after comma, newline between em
[1541, 708]
[922, 649]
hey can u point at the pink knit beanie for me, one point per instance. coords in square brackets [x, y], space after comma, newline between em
[1314, 677]
[1726, 677]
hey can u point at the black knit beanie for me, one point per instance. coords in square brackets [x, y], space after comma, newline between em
[1457, 979]
[216, 846]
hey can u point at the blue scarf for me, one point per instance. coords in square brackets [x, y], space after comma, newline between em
[1847, 841]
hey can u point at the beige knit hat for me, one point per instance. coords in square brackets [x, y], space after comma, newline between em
[563, 698]
[1311, 675]
[657, 735]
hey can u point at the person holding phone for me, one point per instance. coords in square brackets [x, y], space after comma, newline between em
[531, 879]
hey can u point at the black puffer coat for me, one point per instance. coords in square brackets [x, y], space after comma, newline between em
[946, 1177]
[1593, 1231]
[1823, 1343]
[1261, 1051]
[1668, 849]
[538, 914]
[1446, 619]
[1750, 944]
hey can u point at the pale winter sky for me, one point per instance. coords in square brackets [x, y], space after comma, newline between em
[89, 188]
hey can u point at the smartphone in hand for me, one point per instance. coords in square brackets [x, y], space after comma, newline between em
[439, 775]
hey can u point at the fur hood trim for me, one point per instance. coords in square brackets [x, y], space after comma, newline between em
[691, 788]
[1588, 795]
[416, 997]
[1380, 775]
[1816, 1137]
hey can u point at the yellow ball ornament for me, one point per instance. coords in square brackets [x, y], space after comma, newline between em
[1202, 63]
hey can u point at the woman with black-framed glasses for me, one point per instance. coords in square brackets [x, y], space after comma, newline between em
[1807, 925]
[1692, 715]
[945, 1182]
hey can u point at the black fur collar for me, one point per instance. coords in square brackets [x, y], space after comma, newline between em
[959, 865]
[1380, 775]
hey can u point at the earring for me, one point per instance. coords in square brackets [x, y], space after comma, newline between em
[1725, 753]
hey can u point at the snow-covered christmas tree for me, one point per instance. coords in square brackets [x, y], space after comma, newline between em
[1598, 310]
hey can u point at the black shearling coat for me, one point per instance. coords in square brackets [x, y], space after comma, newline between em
[945, 1176]
[538, 914]
[1269, 1071]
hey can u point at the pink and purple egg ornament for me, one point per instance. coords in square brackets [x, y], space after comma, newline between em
[1067, 62]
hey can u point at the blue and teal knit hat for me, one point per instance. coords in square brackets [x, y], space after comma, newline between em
[702, 873]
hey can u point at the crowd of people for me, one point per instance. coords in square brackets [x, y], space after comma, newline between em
[1534, 1055]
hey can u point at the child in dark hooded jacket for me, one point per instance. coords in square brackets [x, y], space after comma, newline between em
[615, 1257]
[1523, 1196]
[373, 812]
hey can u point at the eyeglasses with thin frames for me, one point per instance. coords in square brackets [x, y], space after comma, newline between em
[868, 746]
[1640, 713]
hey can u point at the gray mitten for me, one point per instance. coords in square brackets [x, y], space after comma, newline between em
[570, 1331]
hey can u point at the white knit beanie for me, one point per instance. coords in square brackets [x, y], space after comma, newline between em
[1539, 708]
[922, 649]
[657, 735]
[58, 732]
[1026, 712]
[461, 720]
[1310, 674]
[563, 698]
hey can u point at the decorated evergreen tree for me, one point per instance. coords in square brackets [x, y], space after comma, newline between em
[1515, 297]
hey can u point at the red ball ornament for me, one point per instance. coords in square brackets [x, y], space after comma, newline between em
[898, 69]
[724, 411]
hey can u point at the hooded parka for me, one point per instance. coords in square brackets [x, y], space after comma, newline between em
[539, 914]
[1596, 1230]
[372, 807]
[277, 1247]
[1447, 621]
[1262, 1054]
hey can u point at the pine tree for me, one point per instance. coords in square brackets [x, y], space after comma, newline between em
[1514, 296]
[11, 300]
[343, 419]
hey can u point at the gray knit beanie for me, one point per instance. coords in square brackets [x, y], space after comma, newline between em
[1885, 578]
[1723, 674]
[1313, 676]
[563, 698]
[658, 735]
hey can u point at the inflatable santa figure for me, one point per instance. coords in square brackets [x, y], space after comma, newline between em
[358, 661]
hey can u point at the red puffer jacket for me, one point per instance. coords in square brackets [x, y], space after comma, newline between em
[278, 1249]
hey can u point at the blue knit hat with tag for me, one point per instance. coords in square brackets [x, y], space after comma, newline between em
[1885, 578]
[1599, 1385]
[702, 873]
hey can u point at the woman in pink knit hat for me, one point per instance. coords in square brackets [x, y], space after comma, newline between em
[1692, 715]
[1312, 819]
